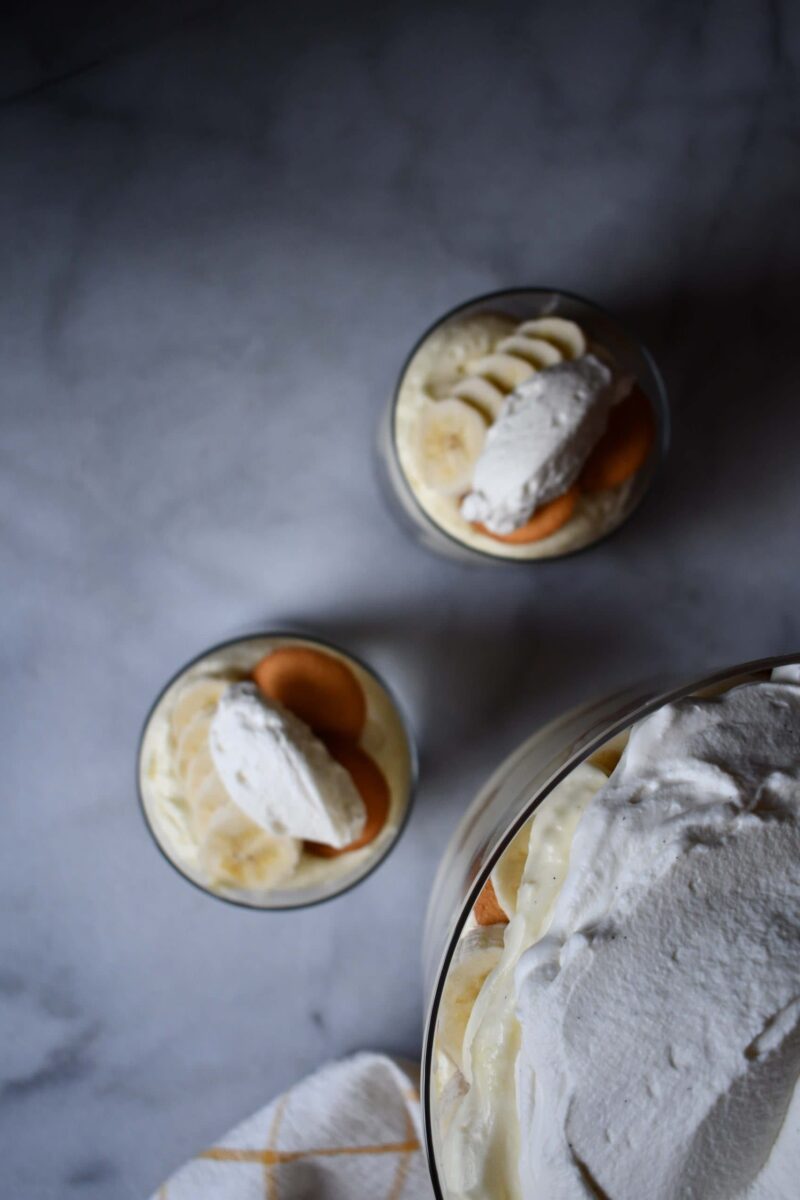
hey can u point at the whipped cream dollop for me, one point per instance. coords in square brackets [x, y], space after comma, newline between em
[660, 1014]
[536, 448]
[639, 1035]
[278, 773]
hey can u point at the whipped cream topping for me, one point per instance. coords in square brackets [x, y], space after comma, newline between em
[654, 981]
[535, 450]
[278, 773]
[660, 1016]
[480, 1152]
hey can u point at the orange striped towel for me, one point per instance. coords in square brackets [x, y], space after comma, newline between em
[349, 1132]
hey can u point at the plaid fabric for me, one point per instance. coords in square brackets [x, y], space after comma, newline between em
[348, 1132]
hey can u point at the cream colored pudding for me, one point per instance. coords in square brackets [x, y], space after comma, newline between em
[275, 771]
[521, 439]
[621, 1016]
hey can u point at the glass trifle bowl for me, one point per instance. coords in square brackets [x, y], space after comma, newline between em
[514, 866]
[260, 732]
[526, 424]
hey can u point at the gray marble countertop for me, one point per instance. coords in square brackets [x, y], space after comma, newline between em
[221, 235]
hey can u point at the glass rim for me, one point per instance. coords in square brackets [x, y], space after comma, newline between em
[637, 711]
[413, 757]
[663, 415]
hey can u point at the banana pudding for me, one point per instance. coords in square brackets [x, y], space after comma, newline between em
[275, 771]
[621, 1013]
[524, 433]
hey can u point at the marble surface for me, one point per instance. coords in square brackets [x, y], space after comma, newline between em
[222, 232]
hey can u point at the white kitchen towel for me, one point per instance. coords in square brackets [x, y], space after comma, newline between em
[349, 1132]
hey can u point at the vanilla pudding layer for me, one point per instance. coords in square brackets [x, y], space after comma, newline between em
[384, 738]
[637, 1030]
[441, 357]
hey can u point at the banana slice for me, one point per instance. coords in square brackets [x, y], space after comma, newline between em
[204, 803]
[484, 395]
[607, 757]
[506, 370]
[204, 792]
[451, 437]
[507, 875]
[451, 1096]
[473, 337]
[534, 350]
[475, 957]
[487, 397]
[193, 741]
[194, 697]
[565, 335]
[441, 388]
[237, 853]
[199, 769]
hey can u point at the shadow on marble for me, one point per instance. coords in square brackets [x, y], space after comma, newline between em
[729, 352]
[44, 43]
[463, 682]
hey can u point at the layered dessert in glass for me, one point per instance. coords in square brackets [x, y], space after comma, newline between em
[276, 771]
[526, 425]
[613, 947]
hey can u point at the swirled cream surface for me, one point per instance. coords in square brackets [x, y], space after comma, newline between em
[639, 1034]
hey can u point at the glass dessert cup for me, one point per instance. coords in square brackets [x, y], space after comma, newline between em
[386, 738]
[435, 519]
[592, 734]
